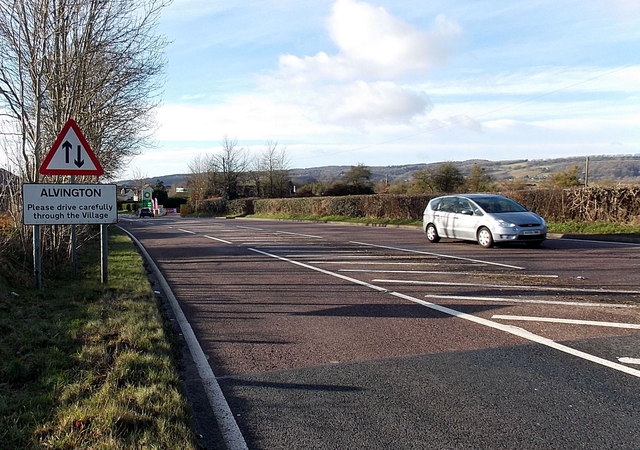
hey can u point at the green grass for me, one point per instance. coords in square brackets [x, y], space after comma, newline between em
[593, 228]
[88, 366]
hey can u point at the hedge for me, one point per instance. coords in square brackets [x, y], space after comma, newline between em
[612, 205]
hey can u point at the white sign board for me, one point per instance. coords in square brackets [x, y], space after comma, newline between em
[69, 204]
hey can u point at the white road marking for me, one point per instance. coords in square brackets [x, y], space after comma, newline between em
[632, 326]
[506, 286]
[250, 228]
[519, 300]
[217, 239]
[298, 234]
[187, 231]
[364, 263]
[436, 272]
[224, 417]
[479, 320]
[629, 360]
[438, 255]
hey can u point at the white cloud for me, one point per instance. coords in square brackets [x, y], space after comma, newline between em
[372, 44]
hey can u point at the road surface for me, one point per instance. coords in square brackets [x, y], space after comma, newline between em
[333, 337]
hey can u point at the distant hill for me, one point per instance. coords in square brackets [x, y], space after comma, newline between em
[605, 168]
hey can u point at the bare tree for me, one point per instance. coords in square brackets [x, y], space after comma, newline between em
[201, 179]
[273, 167]
[231, 166]
[95, 61]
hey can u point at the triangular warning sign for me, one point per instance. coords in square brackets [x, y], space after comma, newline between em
[71, 154]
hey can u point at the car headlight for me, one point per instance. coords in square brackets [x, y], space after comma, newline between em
[505, 224]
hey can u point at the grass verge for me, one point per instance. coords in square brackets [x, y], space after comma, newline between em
[88, 366]
[594, 228]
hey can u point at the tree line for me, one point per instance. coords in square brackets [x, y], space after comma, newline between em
[95, 61]
[231, 173]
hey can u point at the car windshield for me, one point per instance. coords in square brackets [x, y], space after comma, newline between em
[499, 205]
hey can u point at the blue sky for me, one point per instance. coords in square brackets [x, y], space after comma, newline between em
[390, 82]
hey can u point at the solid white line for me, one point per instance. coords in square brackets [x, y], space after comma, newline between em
[436, 272]
[187, 231]
[632, 326]
[629, 360]
[518, 300]
[439, 255]
[216, 239]
[226, 422]
[250, 228]
[479, 320]
[506, 286]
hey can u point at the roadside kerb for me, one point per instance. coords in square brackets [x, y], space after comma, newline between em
[226, 422]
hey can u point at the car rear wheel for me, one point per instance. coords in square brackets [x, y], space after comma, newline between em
[485, 238]
[432, 233]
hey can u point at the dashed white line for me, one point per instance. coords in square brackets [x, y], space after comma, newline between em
[505, 286]
[632, 326]
[441, 272]
[626, 360]
[298, 234]
[364, 263]
[520, 300]
[186, 231]
[217, 239]
[438, 255]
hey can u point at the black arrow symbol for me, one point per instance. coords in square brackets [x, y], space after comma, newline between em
[79, 162]
[67, 147]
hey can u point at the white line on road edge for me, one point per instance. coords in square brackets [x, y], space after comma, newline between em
[226, 422]
[632, 326]
[520, 300]
[479, 320]
[506, 286]
[629, 360]
[216, 239]
[187, 231]
[439, 255]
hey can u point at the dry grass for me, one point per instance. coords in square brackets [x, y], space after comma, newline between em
[87, 366]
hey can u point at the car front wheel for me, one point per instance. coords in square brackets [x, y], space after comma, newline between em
[432, 234]
[485, 238]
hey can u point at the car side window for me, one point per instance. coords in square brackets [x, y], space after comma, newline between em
[447, 205]
[463, 206]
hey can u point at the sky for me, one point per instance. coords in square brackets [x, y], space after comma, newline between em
[392, 82]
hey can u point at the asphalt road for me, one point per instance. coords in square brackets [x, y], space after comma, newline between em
[333, 337]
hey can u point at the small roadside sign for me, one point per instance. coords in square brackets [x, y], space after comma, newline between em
[71, 154]
[69, 204]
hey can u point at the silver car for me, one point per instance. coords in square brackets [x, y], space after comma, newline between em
[484, 218]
